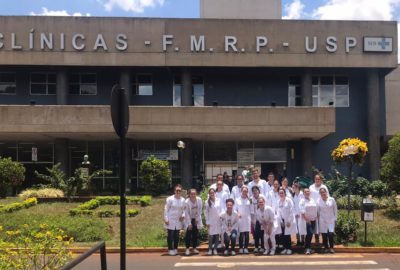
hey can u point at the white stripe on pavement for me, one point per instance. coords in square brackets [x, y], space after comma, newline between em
[295, 263]
[293, 257]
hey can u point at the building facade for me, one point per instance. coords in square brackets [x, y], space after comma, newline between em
[276, 94]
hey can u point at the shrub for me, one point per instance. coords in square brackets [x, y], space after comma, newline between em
[155, 175]
[105, 213]
[43, 247]
[12, 207]
[346, 228]
[41, 193]
[12, 173]
[145, 200]
[390, 169]
[355, 202]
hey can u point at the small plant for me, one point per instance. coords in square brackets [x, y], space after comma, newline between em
[156, 175]
[390, 169]
[41, 193]
[12, 174]
[12, 207]
[346, 228]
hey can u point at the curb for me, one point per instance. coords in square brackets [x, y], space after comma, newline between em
[116, 250]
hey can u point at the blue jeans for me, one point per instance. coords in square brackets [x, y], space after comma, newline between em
[213, 241]
[231, 239]
[310, 232]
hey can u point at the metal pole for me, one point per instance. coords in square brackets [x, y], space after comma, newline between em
[365, 233]
[122, 203]
[349, 187]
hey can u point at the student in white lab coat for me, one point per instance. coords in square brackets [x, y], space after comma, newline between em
[257, 181]
[327, 216]
[270, 182]
[314, 189]
[308, 210]
[212, 212]
[193, 221]
[288, 190]
[237, 190]
[174, 215]
[243, 208]
[225, 187]
[273, 196]
[287, 221]
[267, 219]
[230, 222]
[221, 194]
[300, 222]
[256, 226]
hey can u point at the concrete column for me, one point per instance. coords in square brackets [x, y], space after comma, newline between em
[306, 88]
[187, 91]
[306, 157]
[373, 123]
[125, 81]
[62, 154]
[62, 87]
[187, 164]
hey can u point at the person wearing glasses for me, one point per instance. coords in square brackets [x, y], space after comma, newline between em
[193, 221]
[174, 215]
[243, 208]
[287, 221]
[212, 212]
[230, 221]
[327, 216]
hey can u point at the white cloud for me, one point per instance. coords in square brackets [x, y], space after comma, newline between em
[356, 10]
[46, 12]
[136, 6]
[294, 10]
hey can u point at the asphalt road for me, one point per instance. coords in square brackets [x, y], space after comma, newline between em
[339, 261]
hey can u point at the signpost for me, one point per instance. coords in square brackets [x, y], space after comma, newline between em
[120, 120]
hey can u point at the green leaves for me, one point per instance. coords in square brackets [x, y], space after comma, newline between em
[390, 169]
[156, 175]
[12, 173]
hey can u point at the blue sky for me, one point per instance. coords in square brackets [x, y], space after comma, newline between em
[292, 9]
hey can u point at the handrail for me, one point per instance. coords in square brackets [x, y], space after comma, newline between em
[103, 260]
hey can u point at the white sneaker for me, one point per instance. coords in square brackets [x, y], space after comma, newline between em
[289, 252]
[215, 252]
[245, 251]
[240, 250]
[272, 253]
[171, 252]
[176, 251]
[308, 251]
[255, 250]
[187, 252]
[233, 253]
[266, 252]
[209, 253]
[261, 250]
[226, 252]
[196, 251]
[283, 252]
[332, 251]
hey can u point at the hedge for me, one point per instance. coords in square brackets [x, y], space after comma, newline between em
[12, 207]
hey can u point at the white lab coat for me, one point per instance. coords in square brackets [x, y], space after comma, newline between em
[174, 209]
[254, 206]
[222, 196]
[212, 214]
[243, 208]
[273, 199]
[229, 222]
[309, 208]
[193, 210]
[236, 192]
[327, 215]
[286, 213]
[262, 185]
[300, 222]
[225, 187]
[266, 217]
[315, 191]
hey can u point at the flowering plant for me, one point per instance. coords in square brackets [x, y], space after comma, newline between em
[352, 149]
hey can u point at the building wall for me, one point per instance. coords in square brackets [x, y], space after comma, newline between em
[392, 93]
[241, 9]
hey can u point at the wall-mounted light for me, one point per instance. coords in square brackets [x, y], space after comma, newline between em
[181, 145]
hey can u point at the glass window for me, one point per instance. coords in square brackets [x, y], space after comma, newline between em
[294, 93]
[198, 90]
[83, 84]
[177, 91]
[331, 91]
[43, 84]
[144, 85]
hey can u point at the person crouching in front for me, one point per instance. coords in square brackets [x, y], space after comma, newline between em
[229, 222]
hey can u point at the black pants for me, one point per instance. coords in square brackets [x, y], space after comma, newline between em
[173, 239]
[192, 235]
[244, 240]
[327, 239]
[258, 235]
[230, 239]
[286, 239]
[310, 232]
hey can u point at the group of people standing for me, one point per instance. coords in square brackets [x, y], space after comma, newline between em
[268, 210]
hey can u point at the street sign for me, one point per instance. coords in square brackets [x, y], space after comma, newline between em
[378, 44]
[34, 154]
[120, 110]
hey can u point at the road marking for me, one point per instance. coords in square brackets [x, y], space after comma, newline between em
[293, 263]
[293, 257]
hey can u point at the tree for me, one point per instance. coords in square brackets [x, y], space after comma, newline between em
[12, 174]
[56, 177]
[390, 169]
[156, 175]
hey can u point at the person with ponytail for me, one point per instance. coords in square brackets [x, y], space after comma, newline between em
[243, 208]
